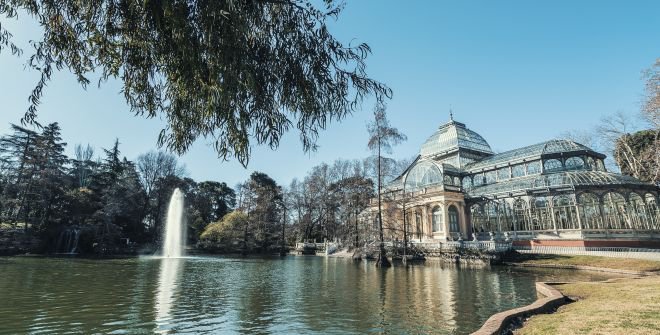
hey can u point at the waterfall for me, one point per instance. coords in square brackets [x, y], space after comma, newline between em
[67, 243]
[174, 234]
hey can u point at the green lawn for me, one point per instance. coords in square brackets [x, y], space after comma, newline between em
[595, 261]
[627, 306]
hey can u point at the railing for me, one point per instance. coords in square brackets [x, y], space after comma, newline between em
[496, 246]
[620, 252]
[310, 245]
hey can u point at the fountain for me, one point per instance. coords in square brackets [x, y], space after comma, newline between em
[174, 229]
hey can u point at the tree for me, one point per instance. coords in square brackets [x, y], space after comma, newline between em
[19, 158]
[235, 71]
[50, 182]
[651, 112]
[636, 155]
[222, 235]
[381, 138]
[83, 164]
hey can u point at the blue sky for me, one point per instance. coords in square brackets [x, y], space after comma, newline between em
[517, 72]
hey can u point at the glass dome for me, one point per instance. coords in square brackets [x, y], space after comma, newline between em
[423, 174]
[452, 136]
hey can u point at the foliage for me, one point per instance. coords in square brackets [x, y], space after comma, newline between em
[234, 71]
[225, 234]
[109, 199]
[636, 155]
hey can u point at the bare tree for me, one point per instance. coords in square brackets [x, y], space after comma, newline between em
[382, 137]
[614, 131]
[651, 111]
[155, 165]
[83, 163]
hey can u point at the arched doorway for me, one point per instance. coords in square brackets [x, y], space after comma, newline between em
[453, 219]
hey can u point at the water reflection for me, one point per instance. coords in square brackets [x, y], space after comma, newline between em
[301, 295]
[168, 282]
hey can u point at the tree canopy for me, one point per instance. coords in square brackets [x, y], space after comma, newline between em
[226, 70]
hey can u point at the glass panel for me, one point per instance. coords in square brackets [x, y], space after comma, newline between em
[518, 170]
[503, 173]
[552, 165]
[437, 219]
[467, 182]
[614, 211]
[591, 164]
[590, 211]
[575, 163]
[449, 180]
[422, 175]
[478, 179]
[453, 219]
[534, 167]
[491, 177]
[521, 215]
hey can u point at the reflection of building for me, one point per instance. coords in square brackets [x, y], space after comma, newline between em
[553, 193]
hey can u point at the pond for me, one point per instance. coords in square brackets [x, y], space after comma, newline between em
[294, 294]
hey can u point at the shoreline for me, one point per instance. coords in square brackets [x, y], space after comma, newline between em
[517, 318]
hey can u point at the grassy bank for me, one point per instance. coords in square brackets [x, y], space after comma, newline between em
[627, 306]
[593, 261]
[620, 306]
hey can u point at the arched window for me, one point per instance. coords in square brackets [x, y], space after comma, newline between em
[599, 165]
[518, 170]
[638, 213]
[521, 214]
[575, 163]
[503, 173]
[457, 181]
[552, 165]
[591, 164]
[491, 212]
[478, 218]
[452, 213]
[467, 182]
[652, 208]
[564, 211]
[437, 219]
[449, 180]
[541, 214]
[534, 167]
[590, 211]
[423, 174]
[614, 211]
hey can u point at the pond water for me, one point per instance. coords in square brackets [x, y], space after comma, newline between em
[294, 294]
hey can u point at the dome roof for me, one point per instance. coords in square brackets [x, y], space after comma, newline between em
[452, 136]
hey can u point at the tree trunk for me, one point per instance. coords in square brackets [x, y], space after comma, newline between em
[382, 255]
[405, 231]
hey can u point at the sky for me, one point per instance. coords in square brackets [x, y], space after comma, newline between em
[516, 72]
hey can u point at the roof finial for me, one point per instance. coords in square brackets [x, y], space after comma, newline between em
[451, 114]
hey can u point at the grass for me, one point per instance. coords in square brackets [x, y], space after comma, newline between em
[627, 306]
[594, 261]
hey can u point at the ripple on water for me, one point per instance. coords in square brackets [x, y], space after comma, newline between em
[306, 295]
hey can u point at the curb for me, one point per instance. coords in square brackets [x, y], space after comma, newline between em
[499, 322]
[583, 267]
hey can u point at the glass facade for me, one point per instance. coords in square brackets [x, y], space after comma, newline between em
[551, 187]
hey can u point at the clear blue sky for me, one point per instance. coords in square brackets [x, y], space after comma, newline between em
[517, 72]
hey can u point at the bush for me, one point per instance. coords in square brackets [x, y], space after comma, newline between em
[224, 234]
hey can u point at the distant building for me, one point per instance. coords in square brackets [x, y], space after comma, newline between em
[555, 193]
